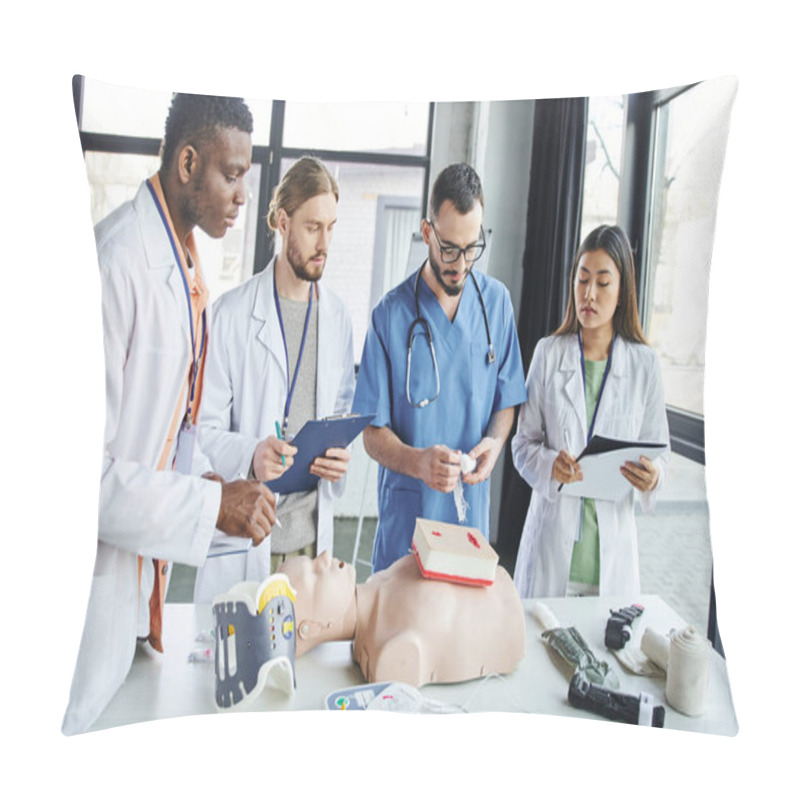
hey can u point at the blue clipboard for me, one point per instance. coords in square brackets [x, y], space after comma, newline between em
[314, 438]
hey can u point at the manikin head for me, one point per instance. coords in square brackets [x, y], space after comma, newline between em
[303, 210]
[325, 606]
[454, 224]
[204, 156]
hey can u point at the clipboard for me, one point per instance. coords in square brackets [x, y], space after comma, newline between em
[600, 461]
[313, 439]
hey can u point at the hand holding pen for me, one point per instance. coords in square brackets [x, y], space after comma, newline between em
[566, 469]
[272, 457]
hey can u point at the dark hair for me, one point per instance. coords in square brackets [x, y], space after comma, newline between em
[612, 240]
[458, 183]
[194, 118]
[306, 178]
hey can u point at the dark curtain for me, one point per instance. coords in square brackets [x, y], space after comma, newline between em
[553, 229]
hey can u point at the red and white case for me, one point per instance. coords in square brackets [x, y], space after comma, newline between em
[453, 553]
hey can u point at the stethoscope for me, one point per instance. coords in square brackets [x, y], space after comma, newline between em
[421, 321]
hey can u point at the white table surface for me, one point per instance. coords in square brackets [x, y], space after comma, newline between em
[171, 686]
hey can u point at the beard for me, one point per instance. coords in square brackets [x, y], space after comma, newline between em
[451, 289]
[301, 266]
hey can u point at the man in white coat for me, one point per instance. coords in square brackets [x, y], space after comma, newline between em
[281, 353]
[158, 502]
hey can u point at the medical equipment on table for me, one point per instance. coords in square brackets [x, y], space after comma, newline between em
[422, 322]
[572, 647]
[619, 630]
[685, 656]
[389, 696]
[618, 627]
[255, 637]
[615, 705]
[454, 553]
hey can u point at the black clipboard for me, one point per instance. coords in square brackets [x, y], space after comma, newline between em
[313, 439]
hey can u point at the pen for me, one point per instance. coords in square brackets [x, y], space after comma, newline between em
[278, 431]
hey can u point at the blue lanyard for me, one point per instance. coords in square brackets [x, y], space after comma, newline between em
[195, 355]
[289, 394]
[602, 384]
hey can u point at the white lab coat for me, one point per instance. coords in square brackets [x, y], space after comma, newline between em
[554, 418]
[158, 514]
[245, 392]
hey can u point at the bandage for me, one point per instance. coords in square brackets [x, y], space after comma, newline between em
[687, 671]
[467, 465]
[655, 647]
[649, 659]
[637, 662]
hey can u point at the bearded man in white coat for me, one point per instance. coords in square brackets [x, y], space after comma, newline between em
[281, 353]
[158, 501]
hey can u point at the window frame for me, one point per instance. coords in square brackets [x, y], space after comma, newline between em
[268, 156]
[635, 215]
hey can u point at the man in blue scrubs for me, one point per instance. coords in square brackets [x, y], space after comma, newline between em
[442, 371]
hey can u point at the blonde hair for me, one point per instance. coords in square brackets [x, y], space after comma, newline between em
[306, 178]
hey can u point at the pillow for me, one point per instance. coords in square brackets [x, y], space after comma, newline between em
[532, 171]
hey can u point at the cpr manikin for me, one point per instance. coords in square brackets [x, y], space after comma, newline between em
[406, 627]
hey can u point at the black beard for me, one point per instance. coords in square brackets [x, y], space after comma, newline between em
[453, 291]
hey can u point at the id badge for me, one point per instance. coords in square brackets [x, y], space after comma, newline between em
[183, 453]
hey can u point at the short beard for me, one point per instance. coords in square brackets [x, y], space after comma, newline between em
[300, 267]
[452, 291]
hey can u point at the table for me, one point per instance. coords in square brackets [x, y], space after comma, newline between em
[171, 686]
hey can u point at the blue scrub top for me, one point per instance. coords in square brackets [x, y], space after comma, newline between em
[471, 391]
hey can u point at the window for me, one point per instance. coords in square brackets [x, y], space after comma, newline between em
[355, 271]
[379, 152]
[689, 146]
[603, 163]
[140, 113]
[399, 128]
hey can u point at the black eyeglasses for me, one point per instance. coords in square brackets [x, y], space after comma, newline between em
[451, 253]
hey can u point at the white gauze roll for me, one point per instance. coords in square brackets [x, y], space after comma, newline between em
[655, 647]
[467, 465]
[687, 673]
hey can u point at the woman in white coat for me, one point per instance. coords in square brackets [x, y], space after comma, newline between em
[594, 375]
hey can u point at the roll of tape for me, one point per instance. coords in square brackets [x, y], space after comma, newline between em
[655, 647]
[687, 672]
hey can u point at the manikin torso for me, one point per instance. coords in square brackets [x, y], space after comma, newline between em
[406, 627]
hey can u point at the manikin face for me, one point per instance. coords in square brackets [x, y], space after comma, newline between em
[324, 586]
[307, 235]
[453, 230]
[216, 190]
[596, 290]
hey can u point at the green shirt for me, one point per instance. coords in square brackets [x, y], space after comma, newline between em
[585, 566]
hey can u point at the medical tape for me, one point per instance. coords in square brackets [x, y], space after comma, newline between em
[688, 671]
